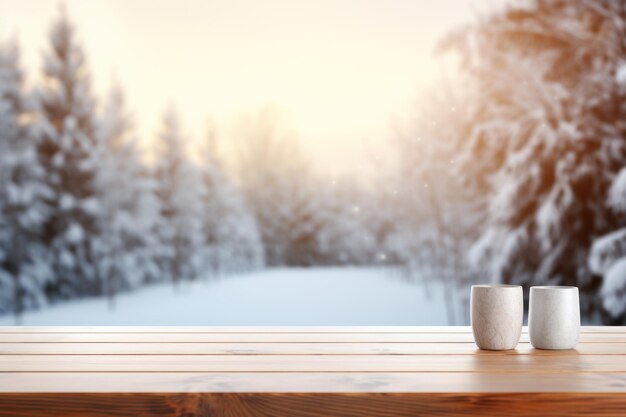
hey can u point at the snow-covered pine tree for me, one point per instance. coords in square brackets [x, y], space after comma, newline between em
[23, 263]
[233, 241]
[67, 150]
[179, 198]
[129, 211]
[545, 135]
[276, 181]
[608, 255]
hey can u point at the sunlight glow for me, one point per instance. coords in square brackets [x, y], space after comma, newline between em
[340, 71]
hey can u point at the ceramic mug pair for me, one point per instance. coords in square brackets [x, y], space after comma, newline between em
[497, 313]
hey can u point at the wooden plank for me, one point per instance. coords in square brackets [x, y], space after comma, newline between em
[272, 338]
[312, 404]
[235, 329]
[268, 329]
[292, 349]
[600, 329]
[315, 363]
[457, 382]
[303, 372]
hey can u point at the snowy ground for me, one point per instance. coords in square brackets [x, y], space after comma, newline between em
[314, 296]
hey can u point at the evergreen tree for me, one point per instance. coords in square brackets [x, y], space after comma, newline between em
[178, 194]
[67, 150]
[608, 255]
[544, 136]
[129, 210]
[233, 242]
[276, 181]
[23, 266]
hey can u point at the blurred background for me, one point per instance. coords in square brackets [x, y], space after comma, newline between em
[308, 163]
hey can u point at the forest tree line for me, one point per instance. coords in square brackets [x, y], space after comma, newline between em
[84, 213]
[513, 171]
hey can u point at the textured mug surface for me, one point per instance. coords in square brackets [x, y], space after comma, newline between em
[496, 313]
[554, 317]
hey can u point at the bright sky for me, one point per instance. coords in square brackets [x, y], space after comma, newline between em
[340, 71]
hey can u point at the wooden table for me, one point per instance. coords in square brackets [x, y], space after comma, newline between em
[303, 371]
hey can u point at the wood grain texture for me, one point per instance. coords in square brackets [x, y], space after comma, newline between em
[311, 405]
[537, 364]
[303, 371]
[617, 348]
[457, 382]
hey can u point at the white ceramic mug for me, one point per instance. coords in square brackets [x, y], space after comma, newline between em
[554, 317]
[496, 313]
